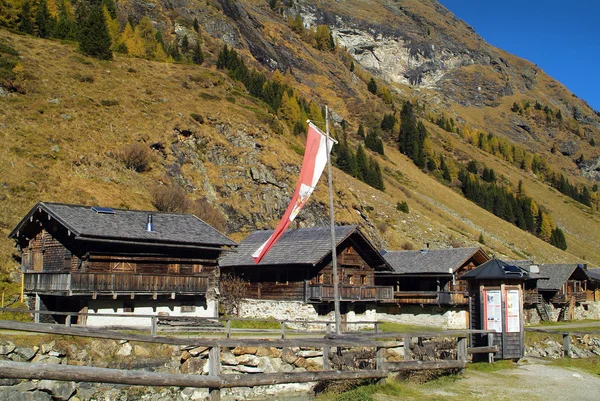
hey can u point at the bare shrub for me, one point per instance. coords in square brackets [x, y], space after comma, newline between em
[382, 226]
[233, 292]
[136, 157]
[170, 199]
[209, 214]
[408, 246]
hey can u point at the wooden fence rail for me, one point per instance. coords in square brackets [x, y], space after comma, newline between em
[215, 380]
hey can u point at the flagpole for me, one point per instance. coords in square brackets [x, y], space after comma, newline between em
[336, 293]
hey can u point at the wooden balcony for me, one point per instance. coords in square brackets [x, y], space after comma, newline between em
[562, 298]
[431, 297]
[324, 292]
[110, 283]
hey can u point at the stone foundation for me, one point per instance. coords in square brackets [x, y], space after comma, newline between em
[427, 315]
[298, 310]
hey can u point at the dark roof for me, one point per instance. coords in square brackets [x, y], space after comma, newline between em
[438, 261]
[593, 274]
[128, 225]
[303, 246]
[557, 275]
[496, 269]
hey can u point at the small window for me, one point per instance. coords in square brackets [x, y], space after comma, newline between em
[363, 279]
[281, 278]
[320, 278]
[188, 308]
[128, 307]
[350, 278]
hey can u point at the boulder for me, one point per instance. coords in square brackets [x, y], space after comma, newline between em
[310, 353]
[199, 351]
[60, 390]
[14, 395]
[289, 356]
[125, 350]
[245, 350]
[194, 366]
[25, 353]
[7, 348]
[227, 358]
[193, 394]
[248, 360]
[141, 351]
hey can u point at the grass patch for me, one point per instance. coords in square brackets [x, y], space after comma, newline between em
[389, 327]
[589, 365]
[255, 324]
[491, 367]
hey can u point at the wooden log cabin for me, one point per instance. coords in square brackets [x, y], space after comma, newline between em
[593, 284]
[430, 277]
[100, 260]
[565, 288]
[299, 268]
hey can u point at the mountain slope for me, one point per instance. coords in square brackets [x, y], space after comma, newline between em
[64, 135]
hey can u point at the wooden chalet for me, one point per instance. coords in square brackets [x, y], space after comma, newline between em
[299, 267]
[430, 276]
[97, 260]
[593, 284]
[566, 283]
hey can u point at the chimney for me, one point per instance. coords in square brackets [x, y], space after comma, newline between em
[149, 225]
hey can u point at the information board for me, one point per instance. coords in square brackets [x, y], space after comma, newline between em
[513, 321]
[493, 310]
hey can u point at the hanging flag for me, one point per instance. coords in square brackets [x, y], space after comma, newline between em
[315, 159]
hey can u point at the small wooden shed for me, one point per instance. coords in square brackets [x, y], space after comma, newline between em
[496, 303]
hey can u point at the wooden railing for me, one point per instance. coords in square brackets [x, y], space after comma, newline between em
[86, 283]
[431, 297]
[350, 293]
[562, 298]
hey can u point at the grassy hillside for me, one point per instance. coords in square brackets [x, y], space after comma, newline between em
[68, 128]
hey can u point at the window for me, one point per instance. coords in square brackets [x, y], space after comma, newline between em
[363, 279]
[350, 279]
[320, 278]
[188, 308]
[281, 278]
[128, 307]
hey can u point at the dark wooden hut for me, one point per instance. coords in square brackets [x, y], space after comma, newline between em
[92, 259]
[496, 303]
[299, 267]
[430, 276]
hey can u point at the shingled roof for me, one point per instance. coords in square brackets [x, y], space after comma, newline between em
[496, 269]
[302, 246]
[127, 225]
[593, 274]
[557, 275]
[432, 261]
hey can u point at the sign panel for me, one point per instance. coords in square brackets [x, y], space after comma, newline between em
[493, 310]
[513, 320]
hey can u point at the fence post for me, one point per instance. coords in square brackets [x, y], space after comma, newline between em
[282, 329]
[380, 359]
[228, 328]
[68, 321]
[376, 327]
[154, 326]
[214, 369]
[407, 340]
[490, 337]
[36, 318]
[566, 345]
[326, 362]
[462, 349]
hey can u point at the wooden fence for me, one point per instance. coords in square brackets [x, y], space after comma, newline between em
[215, 380]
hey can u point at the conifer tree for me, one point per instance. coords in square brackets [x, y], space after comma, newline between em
[372, 86]
[94, 39]
[361, 131]
[65, 24]
[361, 163]
[196, 25]
[25, 16]
[185, 44]
[558, 239]
[374, 142]
[43, 20]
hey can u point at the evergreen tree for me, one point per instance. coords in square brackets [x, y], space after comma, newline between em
[374, 142]
[372, 86]
[94, 39]
[402, 207]
[388, 122]
[25, 16]
[110, 7]
[361, 131]
[361, 163]
[197, 56]
[481, 240]
[472, 167]
[185, 44]
[43, 20]
[408, 129]
[558, 239]
[196, 25]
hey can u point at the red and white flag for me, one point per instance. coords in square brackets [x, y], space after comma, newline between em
[315, 159]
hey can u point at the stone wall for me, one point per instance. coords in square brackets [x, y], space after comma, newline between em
[168, 359]
[583, 311]
[427, 315]
[298, 310]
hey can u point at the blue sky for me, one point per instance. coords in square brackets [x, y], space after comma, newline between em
[561, 37]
